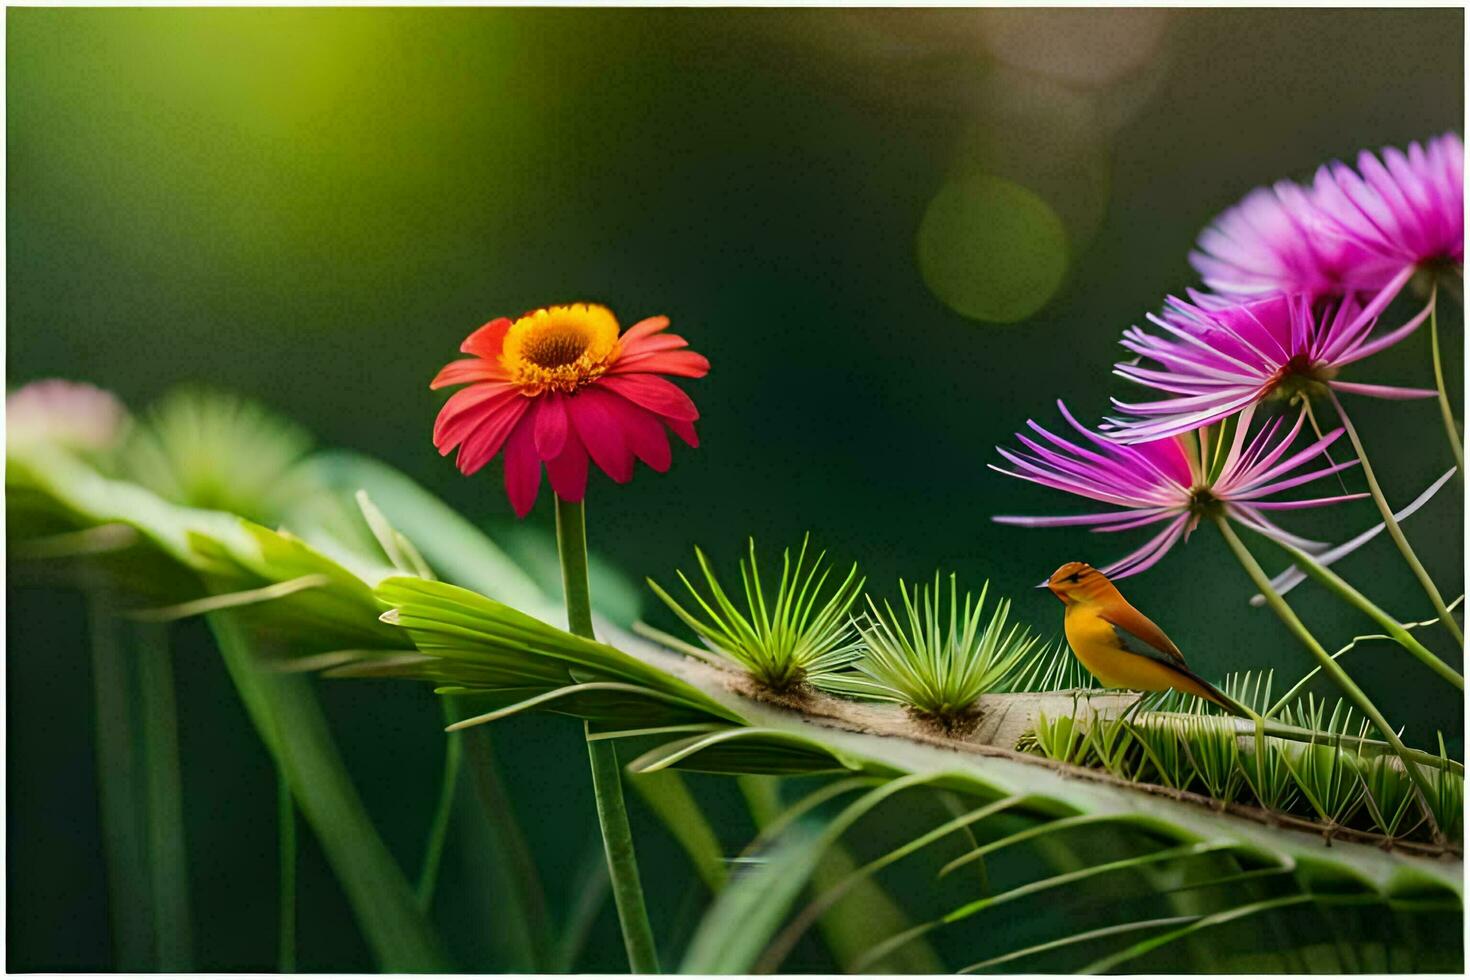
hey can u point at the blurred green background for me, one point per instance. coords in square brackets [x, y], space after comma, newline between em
[896, 235]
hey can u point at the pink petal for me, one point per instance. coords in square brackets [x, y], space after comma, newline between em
[568, 471]
[487, 438]
[522, 468]
[551, 425]
[598, 423]
[487, 341]
[1382, 391]
[653, 393]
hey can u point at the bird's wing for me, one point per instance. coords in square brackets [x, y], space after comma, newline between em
[1137, 633]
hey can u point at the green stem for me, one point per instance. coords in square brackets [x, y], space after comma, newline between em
[607, 782]
[119, 777]
[164, 796]
[1446, 412]
[439, 828]
[1391, 626]
[286, 843]
[1330, 666]
[1394, 531]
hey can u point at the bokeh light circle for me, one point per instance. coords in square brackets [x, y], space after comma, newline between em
[990, 249]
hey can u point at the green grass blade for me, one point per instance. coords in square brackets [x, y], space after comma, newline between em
[164, 796]
[529, 926]
[667, 795]
[443, 811]
[286, 844]
[289, 719]
[119, 786]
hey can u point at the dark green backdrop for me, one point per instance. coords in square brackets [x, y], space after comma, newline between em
[314, 206]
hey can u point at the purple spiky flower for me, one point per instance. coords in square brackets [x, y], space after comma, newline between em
[1213, 363]
[1175, 481]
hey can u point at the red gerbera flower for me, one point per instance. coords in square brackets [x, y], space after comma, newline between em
[560, 385]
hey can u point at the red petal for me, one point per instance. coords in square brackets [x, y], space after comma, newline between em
[599, 425]
[487, 341]
[645, 328]
[522, 469]
[680, 363]
[657, 342]
[485, 441]
[568, 472]
[465, 410]
[645, 436]
[653, 393]
[684, 430]
[469, 370]
[551, 425]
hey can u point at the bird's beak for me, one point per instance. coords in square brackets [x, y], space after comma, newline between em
[1045, 585]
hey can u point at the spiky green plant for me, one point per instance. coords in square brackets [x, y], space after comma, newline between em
[1210, 743]
[1061, 739]
[1264, 769]
[1162, 739]
[219, 451]
[1115, 747]
[1388, 794]
[800, 635]
[937, 661]
[1447, 802]
[1051, 668]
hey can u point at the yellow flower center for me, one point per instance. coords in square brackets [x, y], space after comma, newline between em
[560, 348]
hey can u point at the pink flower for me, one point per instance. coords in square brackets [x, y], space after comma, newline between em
[1364, 231]
[71, 414]
[1406, 211]
[1213, 363]
[1172, 481]
[559, 386]
[1274, 241]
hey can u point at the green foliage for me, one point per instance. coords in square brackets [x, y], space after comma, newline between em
[1331, 778]
[218, 451]
[801, 636]
[1051, 668]
[936, 662]
[502, 661]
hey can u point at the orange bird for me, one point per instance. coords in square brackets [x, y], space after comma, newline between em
[1119, 645]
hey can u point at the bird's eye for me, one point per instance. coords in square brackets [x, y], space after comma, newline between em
[1075, 577]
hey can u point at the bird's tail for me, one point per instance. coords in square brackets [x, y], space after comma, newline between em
[1224, 700]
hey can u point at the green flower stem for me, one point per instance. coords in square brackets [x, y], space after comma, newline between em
[1394, 531]
[607, 783]
[1330, 666]
[164, 799]
[439, 828]
[286, 837]
[1391, 626]
[1446, 412]
[119, 779]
